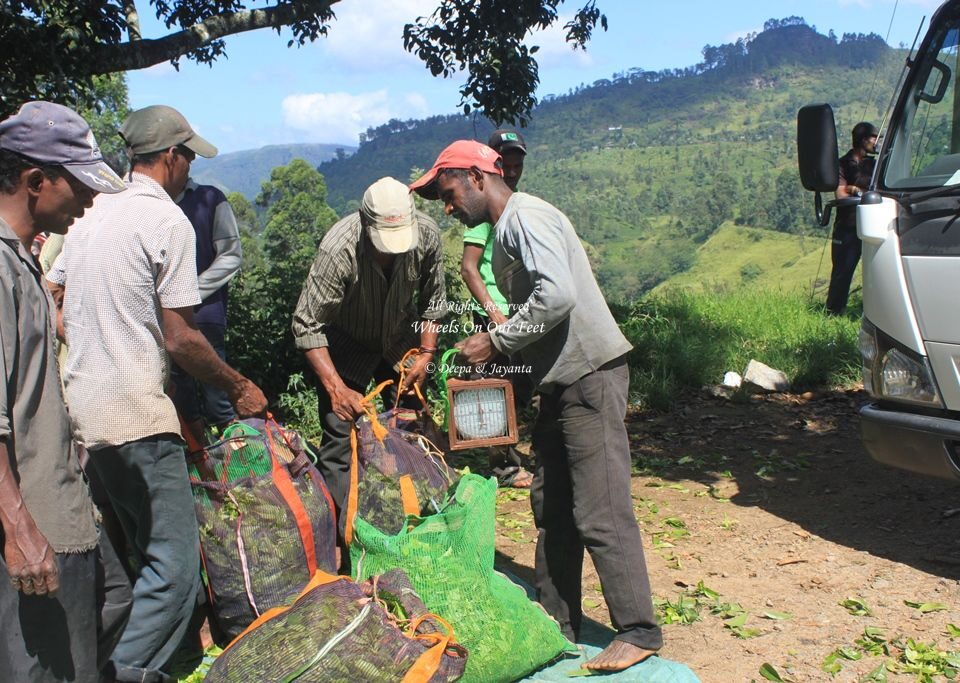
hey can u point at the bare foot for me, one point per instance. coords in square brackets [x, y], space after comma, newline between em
[617, 656]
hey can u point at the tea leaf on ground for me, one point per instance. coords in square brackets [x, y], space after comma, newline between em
[878, 675]
[856, 607]
[703, 591]
[777, 616]
[738, 620]
[926, 607]
[770, 673]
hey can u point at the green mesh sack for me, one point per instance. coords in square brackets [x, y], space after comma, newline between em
[266, 521]
[449, 559]
[338, 630]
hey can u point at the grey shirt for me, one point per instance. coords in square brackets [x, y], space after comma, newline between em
[560, 323]
[225, 235]
[351, 306]
[33, 418]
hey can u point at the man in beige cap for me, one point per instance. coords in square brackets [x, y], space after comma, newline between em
[129, 268]
[377, 279]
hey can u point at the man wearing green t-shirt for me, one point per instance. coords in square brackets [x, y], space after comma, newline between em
[489, 304]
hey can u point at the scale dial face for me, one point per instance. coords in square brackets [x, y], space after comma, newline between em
[480, 413]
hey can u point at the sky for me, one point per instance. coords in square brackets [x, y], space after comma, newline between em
[360, 76]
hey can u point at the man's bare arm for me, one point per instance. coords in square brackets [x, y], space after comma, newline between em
[470, 272]
[29, 558]
[192, 352]
[344, 401]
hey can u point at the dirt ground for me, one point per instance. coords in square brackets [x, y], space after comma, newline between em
[773, 508]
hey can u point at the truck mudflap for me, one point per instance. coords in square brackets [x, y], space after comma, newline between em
[918, 443]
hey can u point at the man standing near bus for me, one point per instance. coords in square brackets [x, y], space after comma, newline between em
[856, 169]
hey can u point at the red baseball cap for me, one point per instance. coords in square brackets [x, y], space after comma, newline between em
[459, 154]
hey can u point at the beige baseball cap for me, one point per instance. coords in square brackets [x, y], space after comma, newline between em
[159, 127]
[390, 216]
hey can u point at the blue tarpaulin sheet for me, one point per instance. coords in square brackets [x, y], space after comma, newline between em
[652, 670]
[593, 638]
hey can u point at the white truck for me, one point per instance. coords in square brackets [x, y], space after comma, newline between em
[909, 223]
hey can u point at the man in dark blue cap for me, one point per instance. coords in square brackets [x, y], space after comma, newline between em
[66, 599]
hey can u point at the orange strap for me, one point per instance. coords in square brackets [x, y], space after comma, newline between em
[281, 479]
[370, 410]
[351, 511]
[403, 374]
[428, 663]
[319, 578]
[408, 496]
[380, 433]
[192, 443]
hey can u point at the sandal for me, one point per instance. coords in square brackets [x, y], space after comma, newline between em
[513, 477]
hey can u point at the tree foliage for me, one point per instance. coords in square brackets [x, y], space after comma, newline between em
[486, 37]
[276, 261]
[54, 48]
[105, 110]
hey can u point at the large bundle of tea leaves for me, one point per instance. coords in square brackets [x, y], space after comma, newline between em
[338, 630]
[449, 559]
[397, 471]
[266, 521]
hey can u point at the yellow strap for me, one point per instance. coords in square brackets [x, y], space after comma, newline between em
[380, 433]
[408, 495]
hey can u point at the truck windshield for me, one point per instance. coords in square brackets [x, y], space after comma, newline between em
[925, 141]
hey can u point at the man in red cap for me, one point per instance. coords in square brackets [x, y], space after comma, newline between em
[490, 305]
[562, 328]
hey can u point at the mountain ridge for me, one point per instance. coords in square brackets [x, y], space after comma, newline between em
[244, 171]
[649, 165]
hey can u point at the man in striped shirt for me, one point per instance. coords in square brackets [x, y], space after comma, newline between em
[372, 294]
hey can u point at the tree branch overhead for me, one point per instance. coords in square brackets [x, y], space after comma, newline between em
[57, 47]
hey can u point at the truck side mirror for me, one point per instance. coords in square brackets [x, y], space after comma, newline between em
[934, 98]
[817, 154]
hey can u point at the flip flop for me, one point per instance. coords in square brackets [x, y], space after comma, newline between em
[513, 477]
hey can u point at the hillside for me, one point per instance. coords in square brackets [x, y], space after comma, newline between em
[738, 256]
[649, 164]
[244, 171]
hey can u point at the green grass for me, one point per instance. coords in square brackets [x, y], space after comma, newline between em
[686, 339]
[760, 259]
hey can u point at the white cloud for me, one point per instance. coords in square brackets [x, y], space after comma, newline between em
[368, 35]
[555, 52]
[417, 103]
[341, 117]
[737, 35]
